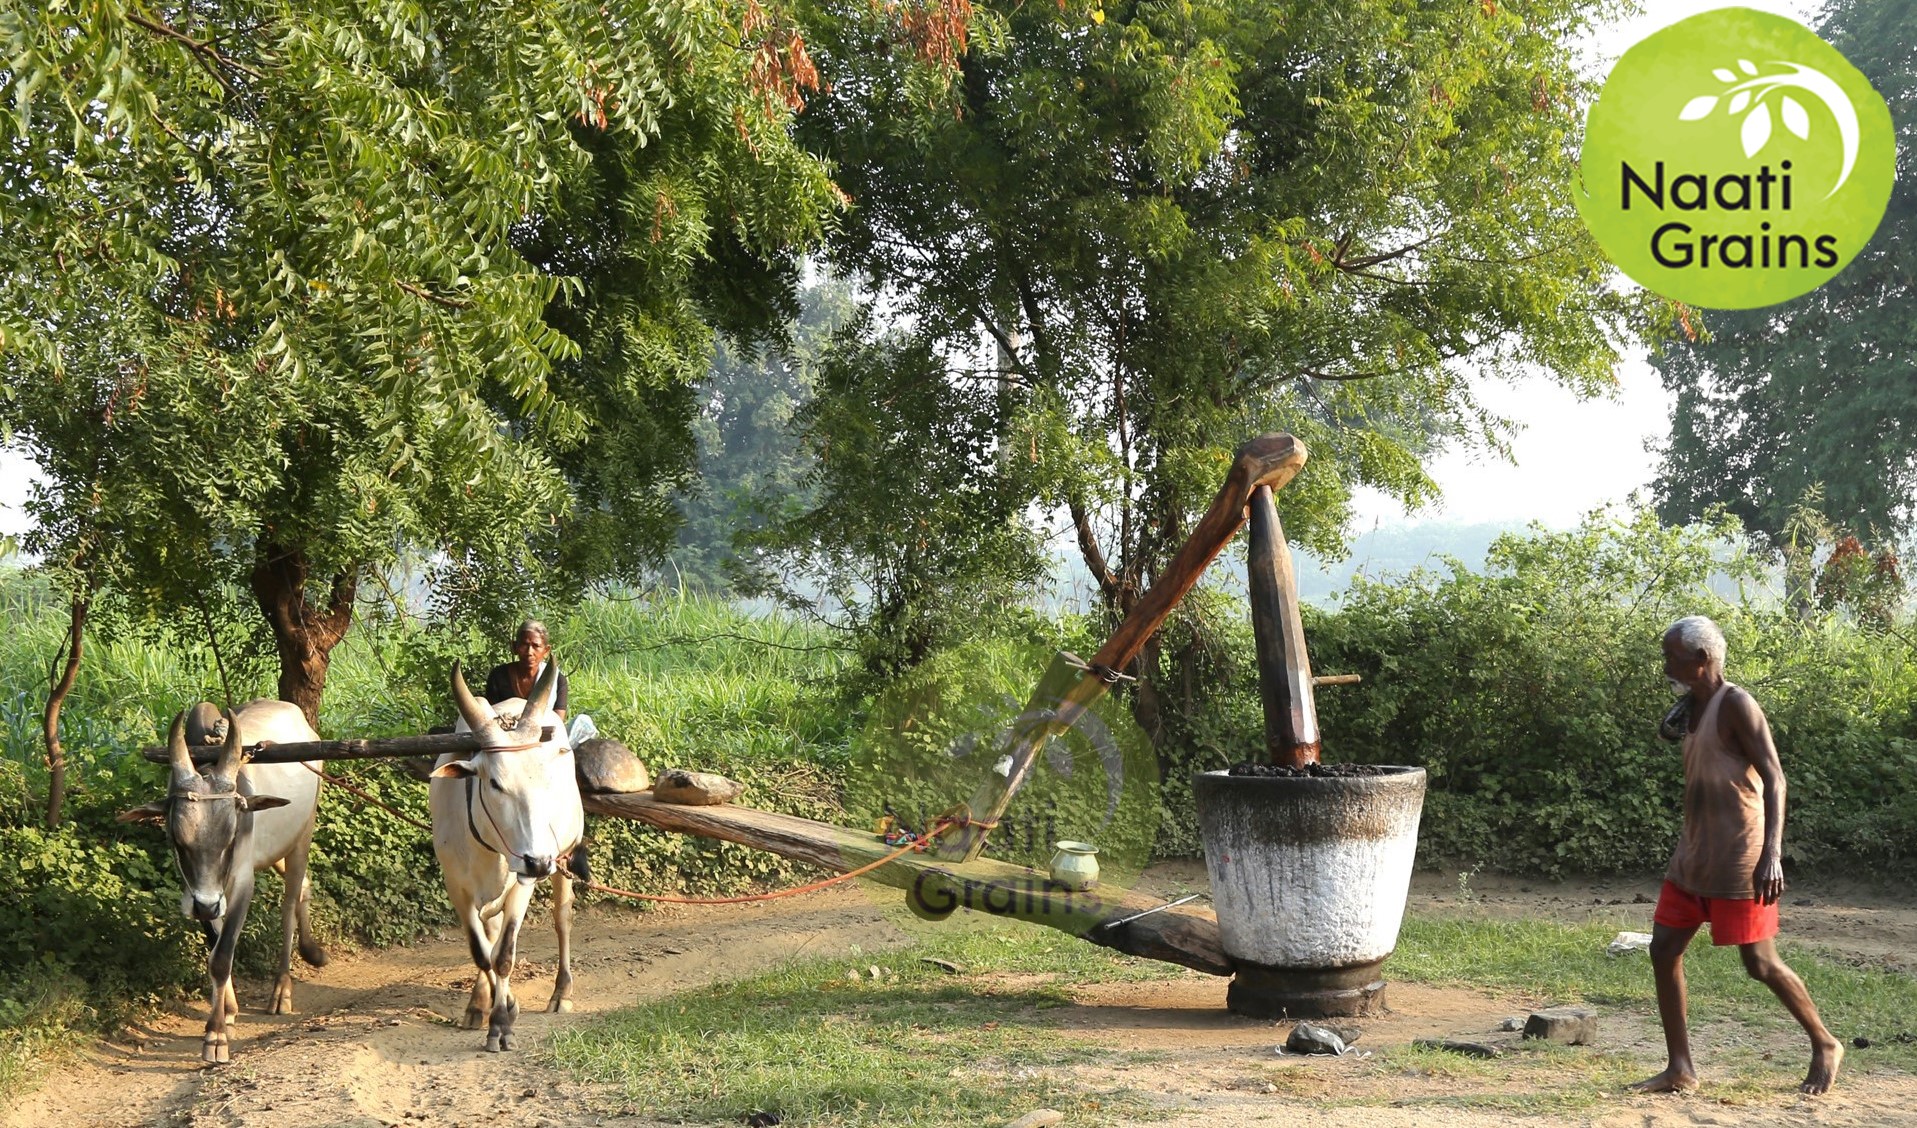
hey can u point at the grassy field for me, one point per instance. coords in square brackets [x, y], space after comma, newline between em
[695, 682]
[825, 1044]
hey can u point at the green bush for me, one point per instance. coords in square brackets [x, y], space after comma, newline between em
[95, 907]
[1531, 694]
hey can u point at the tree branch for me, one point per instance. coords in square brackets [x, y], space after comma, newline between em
[204, 50]
[428, 295]
[1362, 261]
[1088, 548]
[1315, 374]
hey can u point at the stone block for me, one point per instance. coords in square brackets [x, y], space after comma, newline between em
[1572, 1026]
[695, 789]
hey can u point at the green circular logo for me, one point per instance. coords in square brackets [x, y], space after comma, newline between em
[1735, 160]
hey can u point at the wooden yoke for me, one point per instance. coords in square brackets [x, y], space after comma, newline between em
[1284, 670]
[363, 749]
[1071, 686]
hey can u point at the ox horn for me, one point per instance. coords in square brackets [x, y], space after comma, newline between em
[478, 715]
[230, 761]
[184, 773]
[539, 705]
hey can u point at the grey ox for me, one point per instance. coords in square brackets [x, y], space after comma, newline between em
[503, 818]
[224, 824]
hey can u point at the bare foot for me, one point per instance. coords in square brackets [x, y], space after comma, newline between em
[1825, 1058]
[1674, 1080]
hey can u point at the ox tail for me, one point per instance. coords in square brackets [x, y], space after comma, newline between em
[577, 865]
[311, 952]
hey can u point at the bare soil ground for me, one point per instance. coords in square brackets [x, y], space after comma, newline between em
[374, 1044]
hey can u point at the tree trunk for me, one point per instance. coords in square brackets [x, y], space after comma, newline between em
[66, 669]
[304, 632]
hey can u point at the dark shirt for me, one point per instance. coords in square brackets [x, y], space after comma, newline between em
[499, 687]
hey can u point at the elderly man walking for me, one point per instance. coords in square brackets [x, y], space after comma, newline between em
[1728, 867]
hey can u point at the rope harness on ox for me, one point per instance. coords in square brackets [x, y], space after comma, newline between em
[917, 844]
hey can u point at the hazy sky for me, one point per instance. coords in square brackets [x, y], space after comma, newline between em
[1571, 457]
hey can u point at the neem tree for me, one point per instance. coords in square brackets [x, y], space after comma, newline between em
[1181, 222]
[289, 289]
[1814, 397]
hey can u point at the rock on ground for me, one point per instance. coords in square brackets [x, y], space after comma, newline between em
[1573, 1026]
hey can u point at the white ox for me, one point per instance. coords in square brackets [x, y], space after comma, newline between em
[503, 818]
[226, 823]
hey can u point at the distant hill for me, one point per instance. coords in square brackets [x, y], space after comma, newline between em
[1377, 553]
[1380, 551]
[1397, 549]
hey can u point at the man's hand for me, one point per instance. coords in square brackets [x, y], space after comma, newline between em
[1768, 880]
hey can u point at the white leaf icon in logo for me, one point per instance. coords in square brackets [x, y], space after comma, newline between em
[1697, 107]
[1756, 130]
[1795, 119]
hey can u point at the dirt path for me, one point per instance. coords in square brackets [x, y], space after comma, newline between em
[374, 1044]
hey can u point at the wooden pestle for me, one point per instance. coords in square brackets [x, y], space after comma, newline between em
[1284, 668]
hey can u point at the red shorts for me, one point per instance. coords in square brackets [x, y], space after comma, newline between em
[1734, 920]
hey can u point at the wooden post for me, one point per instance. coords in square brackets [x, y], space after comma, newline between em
[1066, 691]
[1284, 669]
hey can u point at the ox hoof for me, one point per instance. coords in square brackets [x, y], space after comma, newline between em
[559, 1006]
[214, 1050]
[282, 996]
[499, 1042]
[474, 1019]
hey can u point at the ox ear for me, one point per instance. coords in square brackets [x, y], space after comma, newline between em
[261, 802]
[458, 769]
[153, 813]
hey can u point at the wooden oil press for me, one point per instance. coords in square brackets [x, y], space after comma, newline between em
[1309, 863]
[1309, 871]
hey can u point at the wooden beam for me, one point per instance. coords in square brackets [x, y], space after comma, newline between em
[1266, 462]
[367, 749]
[936, 887]
[1068, 689]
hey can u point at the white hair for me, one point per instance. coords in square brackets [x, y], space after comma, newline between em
[1696, 632]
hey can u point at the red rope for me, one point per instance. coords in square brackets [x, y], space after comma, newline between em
[338, 782]
[809, 888]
